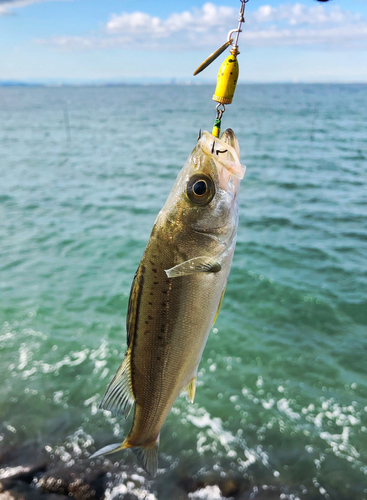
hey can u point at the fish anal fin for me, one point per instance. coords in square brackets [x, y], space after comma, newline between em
[148, 457]
[190, 389]
[119, 396]
[203, 264]
[219, 305]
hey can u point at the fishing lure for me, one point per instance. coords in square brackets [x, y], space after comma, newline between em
[228, 71]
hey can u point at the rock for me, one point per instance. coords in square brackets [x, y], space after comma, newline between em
[53, 484]
[23, 455]
[229, 487]
[23, 473]
[82, 481]
[83, 490]
[18, 490]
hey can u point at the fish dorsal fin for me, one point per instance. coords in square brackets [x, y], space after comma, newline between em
[134, 303]
[219, 305]
[203, 264]
[148, 456]
[119, 396]
[190, 389]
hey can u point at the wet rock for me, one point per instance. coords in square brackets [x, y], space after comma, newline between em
[230, 487]
[54, 484]
[23, 473]
[84, 490]
[19, 490]
[81, 481]
[25, 455]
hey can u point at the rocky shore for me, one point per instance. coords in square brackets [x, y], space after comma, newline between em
[28, 473]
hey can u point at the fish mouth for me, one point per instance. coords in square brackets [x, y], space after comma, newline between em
[224, 151]
[229, 137]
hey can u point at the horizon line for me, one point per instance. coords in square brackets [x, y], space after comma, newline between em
[170, 82]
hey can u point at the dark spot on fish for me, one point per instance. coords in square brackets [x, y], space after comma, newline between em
[163, 304]
[152, 263]
[155, 282]
[150, 317]
[231, 60]
[231, 73]
[159, 337]
[146, 322]
[151, 293]
[150, 303]
[164, 291]
[162, 329]
[158, 358]
[154, 270]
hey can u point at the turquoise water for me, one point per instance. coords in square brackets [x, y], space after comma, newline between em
[282, 387]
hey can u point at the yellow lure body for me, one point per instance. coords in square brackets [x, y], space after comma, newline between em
[227, 80]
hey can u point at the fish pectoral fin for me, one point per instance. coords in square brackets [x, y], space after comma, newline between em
[148, 457]
[203, 264]
[111, 448]
[190, 389]
[119, 396]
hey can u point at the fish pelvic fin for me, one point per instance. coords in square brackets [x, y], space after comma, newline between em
[111, 448]
[203, 264]
[219, 305]
[119, 396]
[191, 390]
[148, 457]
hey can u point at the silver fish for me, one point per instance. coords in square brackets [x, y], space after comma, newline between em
[177, 293]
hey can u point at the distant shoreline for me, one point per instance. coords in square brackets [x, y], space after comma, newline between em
[159, 83]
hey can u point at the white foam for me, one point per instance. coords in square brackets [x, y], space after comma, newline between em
[208, 493]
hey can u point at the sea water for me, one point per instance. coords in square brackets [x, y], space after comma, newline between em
[282, 389]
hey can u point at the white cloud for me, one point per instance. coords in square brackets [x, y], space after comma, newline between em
[207, 28]
[7, 7]
[199, 20]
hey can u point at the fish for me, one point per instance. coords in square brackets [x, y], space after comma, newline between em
[177, 293]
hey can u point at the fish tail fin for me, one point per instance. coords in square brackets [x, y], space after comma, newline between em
[148, 457]
[111, 448]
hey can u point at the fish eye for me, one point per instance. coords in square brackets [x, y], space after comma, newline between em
[200, 189]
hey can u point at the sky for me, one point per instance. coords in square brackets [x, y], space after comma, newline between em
[79, 41]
